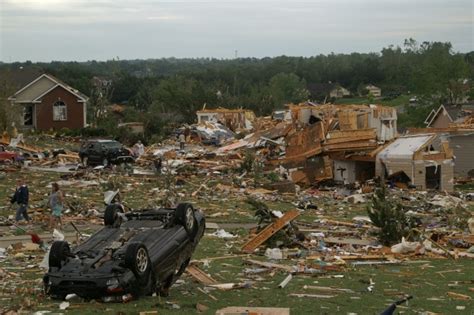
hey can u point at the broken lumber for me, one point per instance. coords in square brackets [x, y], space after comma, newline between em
[200, 275]
[269, 265]
[459, 296]
[269, 230]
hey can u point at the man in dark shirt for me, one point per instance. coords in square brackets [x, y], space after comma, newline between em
[21, 197]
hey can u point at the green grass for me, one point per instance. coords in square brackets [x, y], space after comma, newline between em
[422, 280]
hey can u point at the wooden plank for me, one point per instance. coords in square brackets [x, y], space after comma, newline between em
[349, 241]
[269, 230]
[200, 275]
[269, 265]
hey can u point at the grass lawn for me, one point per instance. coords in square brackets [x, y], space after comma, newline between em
[428, 280]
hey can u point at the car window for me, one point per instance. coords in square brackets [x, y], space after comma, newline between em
[112, 145]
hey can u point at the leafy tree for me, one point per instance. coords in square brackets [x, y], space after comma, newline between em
[287, 88]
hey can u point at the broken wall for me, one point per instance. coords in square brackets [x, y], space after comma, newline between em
[302, 144]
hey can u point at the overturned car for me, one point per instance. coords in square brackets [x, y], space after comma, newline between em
[137, 253]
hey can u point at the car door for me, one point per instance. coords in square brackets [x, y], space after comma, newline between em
[95, 152]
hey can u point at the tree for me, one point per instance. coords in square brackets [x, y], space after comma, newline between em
[388, 216]
[10, 115]
[287, 88]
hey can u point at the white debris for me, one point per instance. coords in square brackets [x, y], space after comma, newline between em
[223, 234]
[64, 305]
[277, 214]
[407, 247]
[362, 218]
[3, 253]
[285, 281]
[274, 253]
[58, 236]
[355, 199]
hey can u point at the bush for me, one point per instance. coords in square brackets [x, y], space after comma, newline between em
[389, 216]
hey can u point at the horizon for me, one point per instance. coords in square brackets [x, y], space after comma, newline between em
[103, 30]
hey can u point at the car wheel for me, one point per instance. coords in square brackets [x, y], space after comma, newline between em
[137, 260]
[111, 217]
[85, 161]
[185, 216]
[105, 162]
[58, 253]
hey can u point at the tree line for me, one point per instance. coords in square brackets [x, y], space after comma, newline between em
[172, 89]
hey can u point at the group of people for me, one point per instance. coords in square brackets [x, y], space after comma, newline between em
[21, 199]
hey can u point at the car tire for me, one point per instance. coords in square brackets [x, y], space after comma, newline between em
[138, 261]
[105, 162]
[58, 253]
[184, 215]
[111, 217]
[85, 161]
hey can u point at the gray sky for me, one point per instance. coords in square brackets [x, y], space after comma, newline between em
[45, 30]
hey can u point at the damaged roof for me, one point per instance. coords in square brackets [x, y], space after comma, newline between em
[405, 147]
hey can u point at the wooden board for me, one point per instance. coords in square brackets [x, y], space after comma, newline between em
[200, 275]
[269, 230]
[269, 265]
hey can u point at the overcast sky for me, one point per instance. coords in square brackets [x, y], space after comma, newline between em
[45, 30]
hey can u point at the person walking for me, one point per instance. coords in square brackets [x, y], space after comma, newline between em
[21, 197]
[182, 141]
[55, 201]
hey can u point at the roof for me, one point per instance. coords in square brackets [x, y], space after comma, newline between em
[371, 86]
[405, 147]
[55, 83]
[455, 113]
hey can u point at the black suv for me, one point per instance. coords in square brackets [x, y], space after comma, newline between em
[104, 152]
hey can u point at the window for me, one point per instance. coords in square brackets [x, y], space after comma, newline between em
[59, 111]
[28, 115]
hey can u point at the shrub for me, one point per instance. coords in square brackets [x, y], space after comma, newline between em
[389, 216]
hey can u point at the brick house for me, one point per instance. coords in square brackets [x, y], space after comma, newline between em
[49, 103]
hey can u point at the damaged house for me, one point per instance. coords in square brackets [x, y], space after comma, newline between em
[336, 141]
[414, 161]
[234, 119]
[454, 124]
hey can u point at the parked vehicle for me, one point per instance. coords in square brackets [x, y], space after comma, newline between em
[104, 152]
[8, 155]
[137, 253]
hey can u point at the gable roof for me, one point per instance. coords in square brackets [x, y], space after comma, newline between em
[428, 118]
[54, 83]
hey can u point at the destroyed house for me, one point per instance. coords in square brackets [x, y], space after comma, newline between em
[337, 141]
[414, 161]
[233, 119]
[382, 119]
[48, 103]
